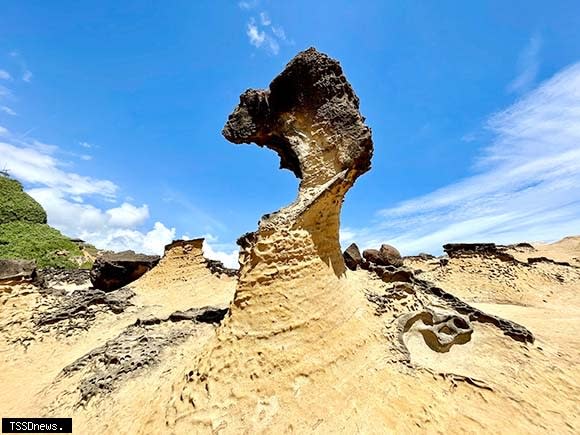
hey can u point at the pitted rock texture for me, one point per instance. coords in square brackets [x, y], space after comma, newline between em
[187, 246]
[78, 309]
[310, 117]
[291, 289]
[51, 277]
[136, 349]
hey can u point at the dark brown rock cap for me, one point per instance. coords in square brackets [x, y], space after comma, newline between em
[112, 271]
[312, 90]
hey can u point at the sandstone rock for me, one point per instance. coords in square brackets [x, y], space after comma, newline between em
[310, 117]
[17, 270]
[352, 257]
[114, 270]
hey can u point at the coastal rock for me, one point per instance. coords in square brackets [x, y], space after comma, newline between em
[17, 270]
[112, 271]
[352, 257]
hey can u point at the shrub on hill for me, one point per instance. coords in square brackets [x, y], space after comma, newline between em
[16, 205]
[40, 242]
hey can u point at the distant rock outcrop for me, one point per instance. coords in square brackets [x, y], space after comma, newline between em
[112, 271]
[17, 270]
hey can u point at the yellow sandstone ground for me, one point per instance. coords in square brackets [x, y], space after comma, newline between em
[332, 372]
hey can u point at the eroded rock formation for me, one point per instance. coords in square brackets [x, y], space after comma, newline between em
[310, 117]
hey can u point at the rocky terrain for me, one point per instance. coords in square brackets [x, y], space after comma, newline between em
[303, 338]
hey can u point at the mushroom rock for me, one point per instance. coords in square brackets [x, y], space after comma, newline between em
[310, 117]
[292, 294]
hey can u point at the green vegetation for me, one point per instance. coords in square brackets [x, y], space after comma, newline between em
[38, 242]
[24, 233]
[18, 206]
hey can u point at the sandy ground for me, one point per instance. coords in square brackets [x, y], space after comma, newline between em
[328, 368]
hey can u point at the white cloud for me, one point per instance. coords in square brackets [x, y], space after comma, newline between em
[263, 34]
[65, 196]
[32, 164]
[85, 144]
[8, 110]
[224, 253]
[127, 215]
[5, 92]
[528, 66]
[86, 157]
[257, 37]
[112, 229]
[524, 185]
[4, 75]
[27, 76]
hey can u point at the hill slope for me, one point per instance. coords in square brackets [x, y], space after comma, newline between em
[25, 234]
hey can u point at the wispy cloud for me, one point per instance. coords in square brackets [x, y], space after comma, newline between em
[5, 92]
[524, 185]
[85, 144]
[27, 75]
[5, 75]
[265, 19]
[8, 110]
[248, 4]
[257, 37]
[262, 33]
[528, 66]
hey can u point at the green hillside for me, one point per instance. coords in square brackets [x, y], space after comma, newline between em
[24, 233]
[18, 206]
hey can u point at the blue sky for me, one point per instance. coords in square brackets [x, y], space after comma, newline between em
[111, 112]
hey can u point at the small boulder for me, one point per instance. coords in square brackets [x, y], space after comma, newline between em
[373, 256]
[386, 256]
[17, 270]
[390, 255]
[112, 271]
[352, 257]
